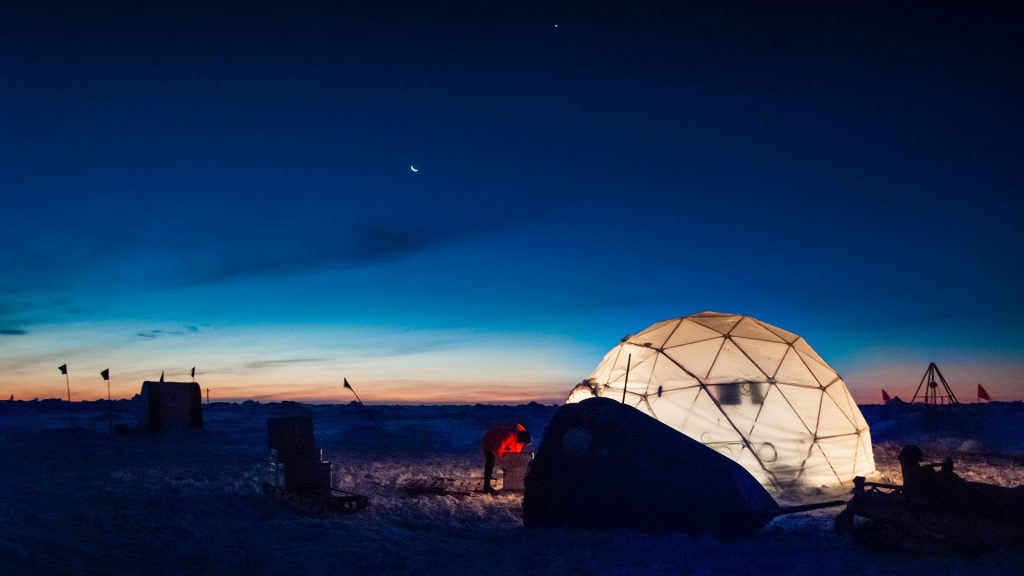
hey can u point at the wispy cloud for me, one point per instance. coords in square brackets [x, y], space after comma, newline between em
[283, 362]
[19, 311]
[10, 315]
[305, 251]
[395, 349]
[157, 333]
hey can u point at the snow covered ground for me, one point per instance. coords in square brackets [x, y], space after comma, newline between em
[86, 501]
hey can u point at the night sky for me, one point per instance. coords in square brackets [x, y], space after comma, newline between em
[229, 186]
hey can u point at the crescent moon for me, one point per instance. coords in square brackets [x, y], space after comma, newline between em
[413, 168]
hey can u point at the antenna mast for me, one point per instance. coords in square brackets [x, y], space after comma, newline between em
[931, 393]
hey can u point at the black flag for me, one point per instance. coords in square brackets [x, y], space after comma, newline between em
[349, 386]
[193, 372]
[63, 368]
[106, 374]
[161, 375]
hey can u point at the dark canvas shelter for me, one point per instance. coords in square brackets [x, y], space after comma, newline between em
[295, 453]
[169, 405]
[605, 465]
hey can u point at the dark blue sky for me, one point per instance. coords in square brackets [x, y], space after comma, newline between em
[228, 184]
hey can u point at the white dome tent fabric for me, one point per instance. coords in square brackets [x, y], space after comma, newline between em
[754, 392]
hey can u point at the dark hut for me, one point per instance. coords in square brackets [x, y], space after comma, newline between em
[168, 405]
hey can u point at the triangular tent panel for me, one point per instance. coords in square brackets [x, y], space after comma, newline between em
[793, 370]
[668, 375]
[842, 398]
[776, 419]
[749, 390]
[732, 365]
[655, 335]
[707, 423]
[675, 408]
[805, 402]
[766, 355]
[689, 332]
[721, 323]
[784, 334]
[801, 345]
[697, 357]
[832, 420]
[822, 373]
[748, 328]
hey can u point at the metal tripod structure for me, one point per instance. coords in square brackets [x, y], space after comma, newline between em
[931, 393]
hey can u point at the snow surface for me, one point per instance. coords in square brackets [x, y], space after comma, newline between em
[86, 501]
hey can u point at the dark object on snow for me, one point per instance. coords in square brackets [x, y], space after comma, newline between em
[168, 405]
[298, 460]
[934, 512]
[333, 502]
[605, 465]
[292, 437]
[440, 486]
[514, 466]
[297, 472]
[302, 476]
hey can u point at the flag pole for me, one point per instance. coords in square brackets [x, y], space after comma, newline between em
[67, 382]
[110, 405]
[629, 360]
[349, 386]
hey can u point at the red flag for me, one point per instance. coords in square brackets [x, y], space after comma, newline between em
[983, 394]
[885, 397]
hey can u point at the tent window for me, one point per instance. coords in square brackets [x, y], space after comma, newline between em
[735, 393]
[729, 394]
[756, 391]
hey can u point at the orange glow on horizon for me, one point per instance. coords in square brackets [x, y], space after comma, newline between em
[307, 364]
[1002, 380]
[865, 385]
[238, 388]
[388, 366]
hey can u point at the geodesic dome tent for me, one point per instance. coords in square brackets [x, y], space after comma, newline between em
[754, 392]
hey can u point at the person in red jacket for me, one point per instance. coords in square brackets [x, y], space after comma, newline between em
[496, 442]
